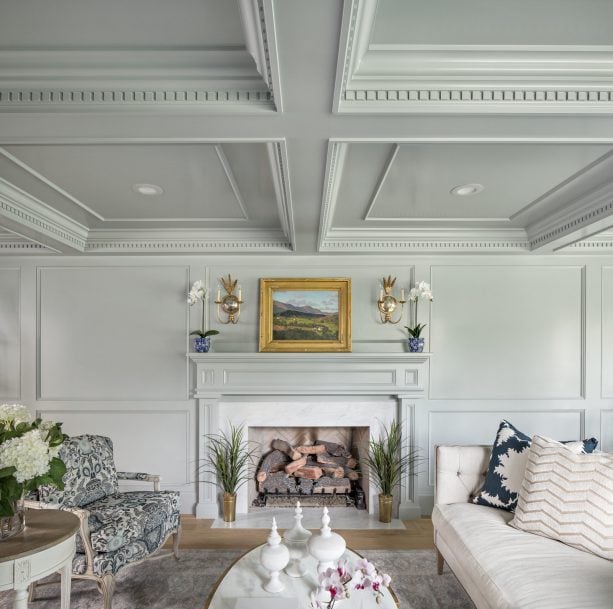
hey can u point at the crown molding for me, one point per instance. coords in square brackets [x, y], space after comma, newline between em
[601, 243]
[584, 216]
[14, 244]
[23, 210]
[335, 163]
[279, 163]
[404, 79]
[382, 241]
[206, 78]
[257, 17]
[157, 241]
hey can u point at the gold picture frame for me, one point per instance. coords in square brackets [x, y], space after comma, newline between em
[305, 315]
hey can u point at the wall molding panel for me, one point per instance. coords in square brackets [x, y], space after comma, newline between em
[607, 333]
[10, 334]
[94, 365]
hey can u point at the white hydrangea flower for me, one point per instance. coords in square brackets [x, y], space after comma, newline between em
[14, 413]
[29, 454]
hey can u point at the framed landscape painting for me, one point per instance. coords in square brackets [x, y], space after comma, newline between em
[305, 315]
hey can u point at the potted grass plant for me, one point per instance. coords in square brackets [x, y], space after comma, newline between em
[229, 458]
[387, 462]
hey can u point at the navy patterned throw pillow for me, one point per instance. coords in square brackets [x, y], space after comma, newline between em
[507, 464]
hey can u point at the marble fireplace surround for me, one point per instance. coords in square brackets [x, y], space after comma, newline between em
[310, 390]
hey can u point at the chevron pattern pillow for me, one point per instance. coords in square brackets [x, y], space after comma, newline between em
[567, 497]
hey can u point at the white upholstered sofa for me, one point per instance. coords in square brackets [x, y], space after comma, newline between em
[501, 567]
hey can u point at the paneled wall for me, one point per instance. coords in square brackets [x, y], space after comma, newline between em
[100, 344]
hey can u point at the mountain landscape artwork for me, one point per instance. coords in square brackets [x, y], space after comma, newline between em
[305, 315]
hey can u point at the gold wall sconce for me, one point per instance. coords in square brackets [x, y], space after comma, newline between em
[230, 304]
[388, 304]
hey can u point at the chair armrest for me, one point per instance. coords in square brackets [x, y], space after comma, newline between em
[141, 476]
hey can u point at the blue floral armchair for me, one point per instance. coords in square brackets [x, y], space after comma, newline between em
[117, 529]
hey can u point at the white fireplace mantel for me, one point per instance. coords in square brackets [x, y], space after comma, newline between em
[223, 378]
[310, 373]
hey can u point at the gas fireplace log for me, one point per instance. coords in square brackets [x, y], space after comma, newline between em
[290, 468]
[311, 450]
[351, 462]
[336, 450]
[351, 473]
[326, 459]
[330, 485]
[309, 472]
[286, 448]
[278, 483]
[333, 471]
[274, 461]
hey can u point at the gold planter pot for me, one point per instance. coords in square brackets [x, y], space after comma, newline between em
[229, 507]
[385, 508]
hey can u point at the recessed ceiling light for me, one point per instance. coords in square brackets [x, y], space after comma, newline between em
[465, 190]
[150, 190]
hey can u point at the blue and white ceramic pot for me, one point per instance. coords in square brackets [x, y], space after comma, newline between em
[202, 344]
[416, 345]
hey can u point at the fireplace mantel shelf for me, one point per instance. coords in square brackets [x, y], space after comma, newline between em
[222, 374]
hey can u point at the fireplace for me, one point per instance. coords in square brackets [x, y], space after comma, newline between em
[319, 466]
[359, 391]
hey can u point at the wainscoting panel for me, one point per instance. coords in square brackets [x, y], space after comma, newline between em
[606, 430]
[10, 331]
[110, 333]
[479, 427]
[144, 440]
[607, 332]
[507, 332]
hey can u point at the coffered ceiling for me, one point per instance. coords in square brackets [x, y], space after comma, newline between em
[270, 126]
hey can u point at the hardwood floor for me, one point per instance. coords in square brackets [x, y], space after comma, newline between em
[197, 534]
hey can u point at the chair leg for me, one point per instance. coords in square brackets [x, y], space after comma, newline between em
[176, 538]
[440, 562]
[106, 586]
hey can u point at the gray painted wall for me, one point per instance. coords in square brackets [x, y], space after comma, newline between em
[100, 344]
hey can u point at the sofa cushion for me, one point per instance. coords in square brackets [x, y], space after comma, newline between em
[508, 463]
[120, 519]
[568, 497]
[90, 472]
[516, 570]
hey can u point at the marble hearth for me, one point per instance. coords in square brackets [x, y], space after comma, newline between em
[306, 390]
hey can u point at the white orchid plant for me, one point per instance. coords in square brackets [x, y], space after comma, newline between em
[28, 455]
[337, 584]
[421, 290]
[197, 293]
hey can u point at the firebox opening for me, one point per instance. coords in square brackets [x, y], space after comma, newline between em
[316, 465]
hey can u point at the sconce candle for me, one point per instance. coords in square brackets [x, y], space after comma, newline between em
[388, 303]
[229, 305]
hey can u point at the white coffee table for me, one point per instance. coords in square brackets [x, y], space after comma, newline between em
[240, 587]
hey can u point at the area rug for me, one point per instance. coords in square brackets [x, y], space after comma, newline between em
[168, 584]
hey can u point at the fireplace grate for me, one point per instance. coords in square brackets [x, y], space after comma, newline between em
[355, 498]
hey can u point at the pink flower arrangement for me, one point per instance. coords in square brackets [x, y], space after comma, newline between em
[338, 583]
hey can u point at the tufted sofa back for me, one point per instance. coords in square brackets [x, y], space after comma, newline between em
[460, 472]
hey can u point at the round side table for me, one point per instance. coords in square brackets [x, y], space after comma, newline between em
[45, 546]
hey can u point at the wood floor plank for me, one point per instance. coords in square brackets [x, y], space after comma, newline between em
[198, 534]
